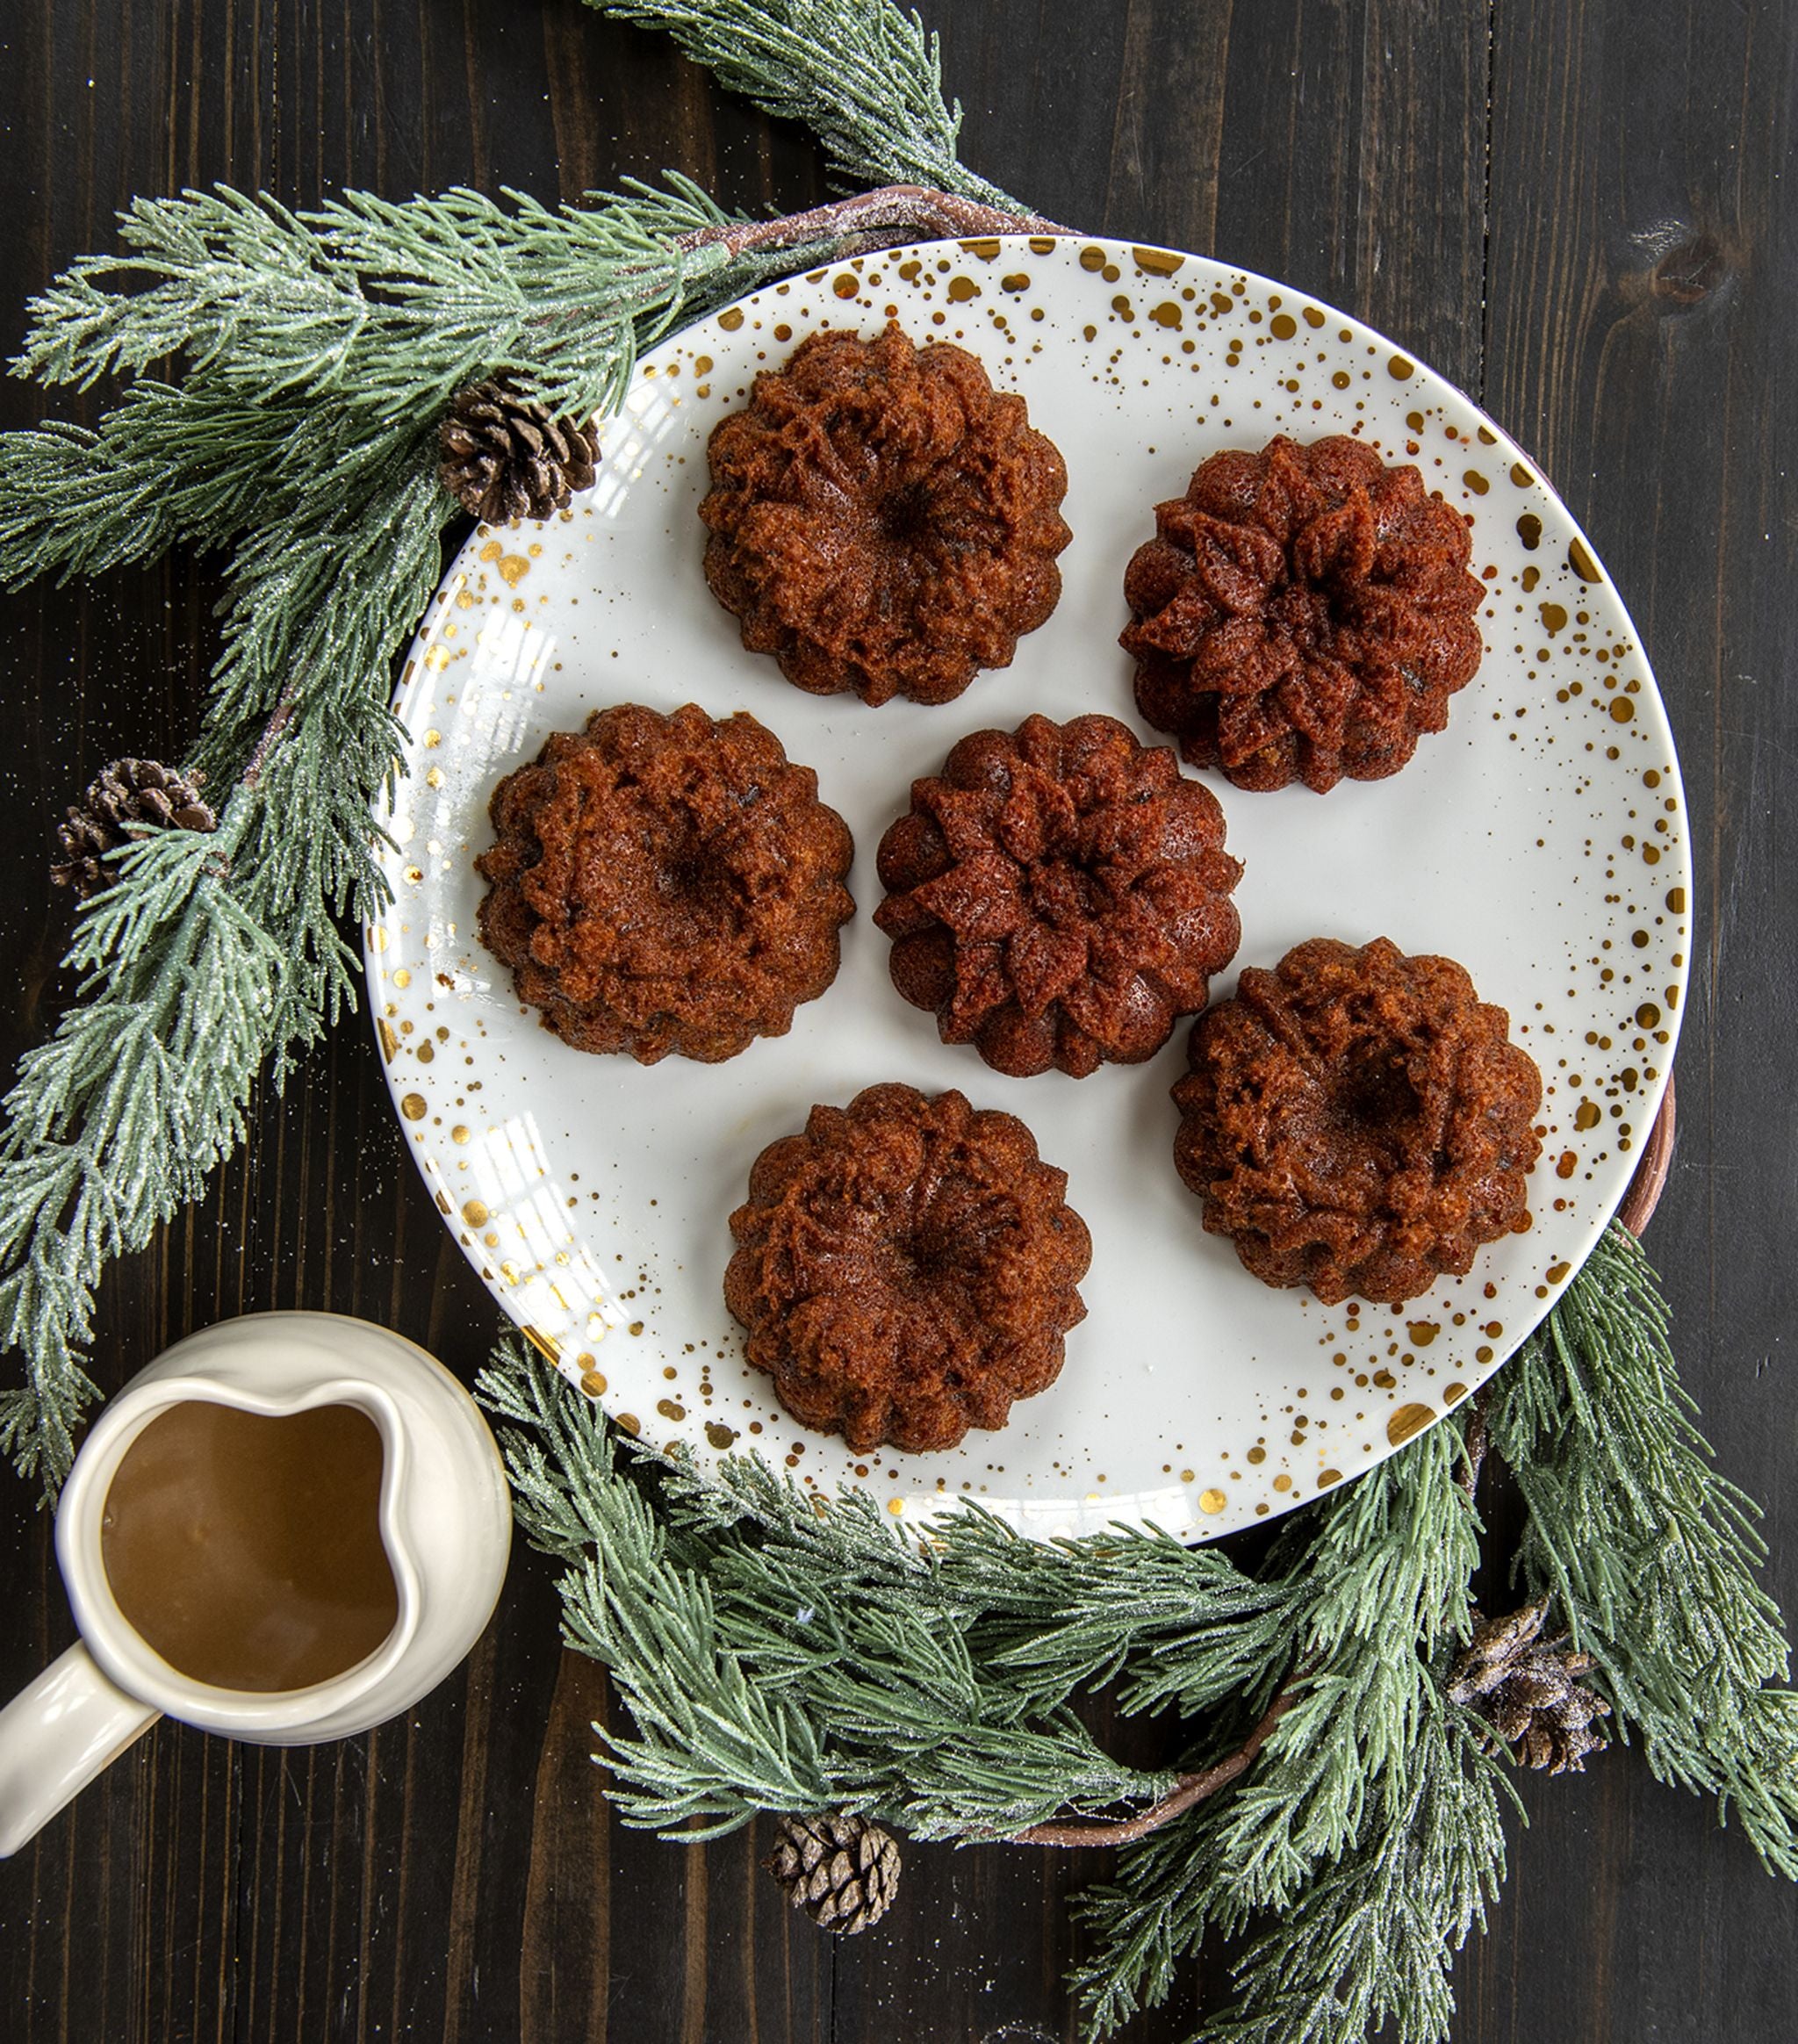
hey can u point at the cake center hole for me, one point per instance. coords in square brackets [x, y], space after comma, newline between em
[1376, 1091]
[1063, 891]
[904, 514]
[700, 902]
[919, 1261]
[927, 1258]
[689, 874]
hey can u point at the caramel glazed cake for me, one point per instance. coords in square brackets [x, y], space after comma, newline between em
[666, 884]
[1058, 895]
[882, 520]
[1357, 1121]
[1303, 614]
[905, 1268]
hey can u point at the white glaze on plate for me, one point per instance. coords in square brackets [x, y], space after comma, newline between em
[1541, 840]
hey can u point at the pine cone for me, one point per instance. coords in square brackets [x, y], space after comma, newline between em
[1527, 1688]
[842, 1870]
[505, 457]
[130, 793]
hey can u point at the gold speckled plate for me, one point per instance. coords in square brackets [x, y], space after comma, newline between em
[1541, 840]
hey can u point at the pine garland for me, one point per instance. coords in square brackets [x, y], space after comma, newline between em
[212, 957]
[315, 353]
[777, 1651]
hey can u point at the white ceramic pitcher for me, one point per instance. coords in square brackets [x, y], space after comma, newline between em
[445, 1521]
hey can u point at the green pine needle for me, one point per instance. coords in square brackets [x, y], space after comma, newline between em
[789, 1655]
[1369, 1941]
[865, 78]
[1652, 1556]
[1329, 1826]
[212, 959]
[385, 308]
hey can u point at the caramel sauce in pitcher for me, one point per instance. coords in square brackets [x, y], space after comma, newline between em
[246, 1551]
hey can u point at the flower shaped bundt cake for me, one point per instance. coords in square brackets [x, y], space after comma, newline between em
[882, 520]
[1058, 895]
[1302, 613]
[1358, 1121]
[666, 883]
[906, 1267]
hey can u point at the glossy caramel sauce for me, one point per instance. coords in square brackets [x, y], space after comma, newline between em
[246, 1551]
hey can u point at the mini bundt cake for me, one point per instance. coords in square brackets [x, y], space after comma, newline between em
[882, 520]
[1357, 1121]
[906, 1268]
[666, 883]
[1058, 895]
[1301, 613]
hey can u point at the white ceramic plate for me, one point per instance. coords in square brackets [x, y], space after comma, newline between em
[1541, 840]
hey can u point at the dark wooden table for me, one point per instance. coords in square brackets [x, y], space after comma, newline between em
[1576, 212]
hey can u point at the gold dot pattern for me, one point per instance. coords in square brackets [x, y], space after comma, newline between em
[526, 633]
[1410, 1418]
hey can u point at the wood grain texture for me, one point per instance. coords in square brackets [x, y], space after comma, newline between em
[1573, 211]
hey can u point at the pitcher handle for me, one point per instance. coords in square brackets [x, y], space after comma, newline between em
[56, 1736]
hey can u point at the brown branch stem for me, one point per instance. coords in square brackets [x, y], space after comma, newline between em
[280, 718]
[1638, 1204]
[1187, 1791]
[1474, 1444]
[871, 219]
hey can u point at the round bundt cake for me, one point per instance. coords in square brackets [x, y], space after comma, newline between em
[1357, 1121]
[665, 883]
[1302, 613]
[882, 520]
[906, 1267]
[1057, 894]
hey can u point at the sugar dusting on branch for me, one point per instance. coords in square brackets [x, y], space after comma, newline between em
[865, 79]
[1651, 1555]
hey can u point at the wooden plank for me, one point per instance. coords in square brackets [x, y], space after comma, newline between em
[1640, 300]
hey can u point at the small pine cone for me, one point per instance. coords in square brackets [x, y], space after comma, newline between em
[1495, 1650]
[1527, 1691]
[128, 795]
[1560, 1739]
[841, 1871]
[505, 457]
